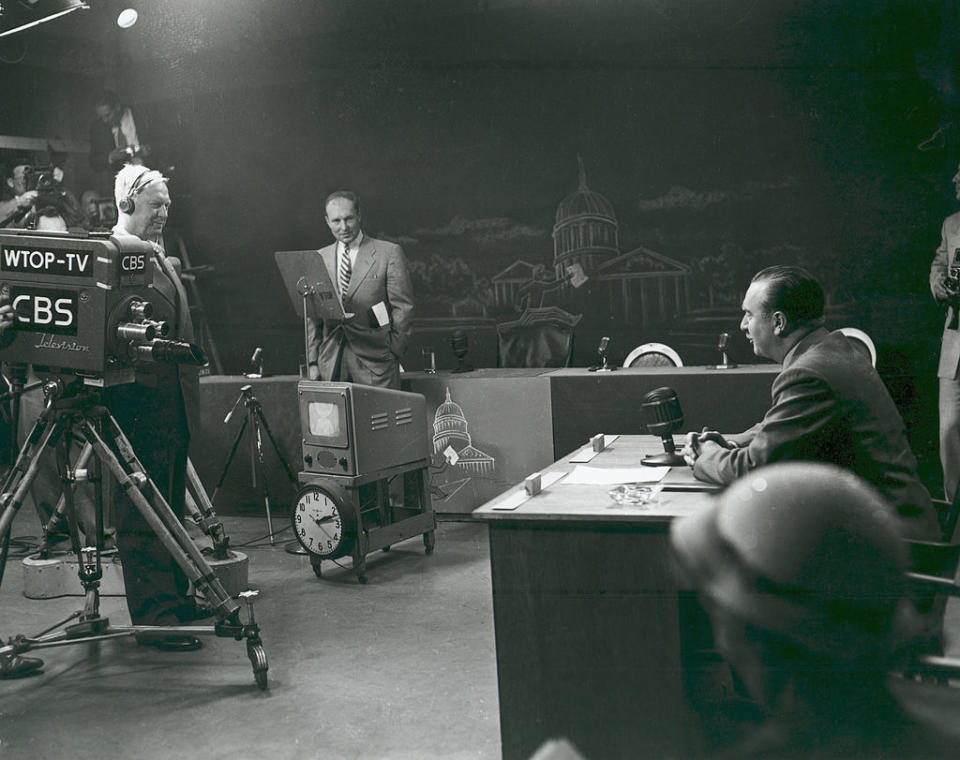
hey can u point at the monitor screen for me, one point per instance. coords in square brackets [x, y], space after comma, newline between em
[324, 418]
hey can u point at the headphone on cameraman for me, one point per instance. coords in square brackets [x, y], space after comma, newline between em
[126, 204]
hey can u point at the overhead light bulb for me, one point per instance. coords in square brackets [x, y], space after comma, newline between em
[127, 18]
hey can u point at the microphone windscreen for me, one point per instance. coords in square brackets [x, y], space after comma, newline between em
[724, 339]
[661, 412]
[458, 341]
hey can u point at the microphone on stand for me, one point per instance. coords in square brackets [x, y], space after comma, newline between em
[460, 345]
[604, 365]
[661, 414]
[256, 363]
[722, 342]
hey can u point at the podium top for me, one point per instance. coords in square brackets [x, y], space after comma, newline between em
[309, 285]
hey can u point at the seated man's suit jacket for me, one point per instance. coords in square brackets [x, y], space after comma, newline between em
[830, 405]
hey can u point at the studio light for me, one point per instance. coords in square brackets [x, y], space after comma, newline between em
[70, 8]
[127, 18]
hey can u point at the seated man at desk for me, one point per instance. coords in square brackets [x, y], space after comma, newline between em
[829, 404]
[809, 611]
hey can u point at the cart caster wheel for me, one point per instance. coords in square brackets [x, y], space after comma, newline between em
[362, 579]
[315, 564]
[385, 549]
[258, 658]
[429, 541]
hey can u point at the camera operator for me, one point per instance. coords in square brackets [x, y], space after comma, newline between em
[945, 286]
[114, 137]
[156, 413]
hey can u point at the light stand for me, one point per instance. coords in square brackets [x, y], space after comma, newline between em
[257, 423]
[69, 410]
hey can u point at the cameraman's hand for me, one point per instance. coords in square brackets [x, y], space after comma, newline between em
[313, 372]
[944, 294]
[27, 199]
[7, 315]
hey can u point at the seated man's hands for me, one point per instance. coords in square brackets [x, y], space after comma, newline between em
[698, 444]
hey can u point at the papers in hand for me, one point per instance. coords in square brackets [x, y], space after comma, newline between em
[611, 476]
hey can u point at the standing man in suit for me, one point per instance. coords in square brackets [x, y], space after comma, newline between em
[157, 413]
[377, 296]
[829, 404]
[946, 291]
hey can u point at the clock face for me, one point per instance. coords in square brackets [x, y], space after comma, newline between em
[318, 522]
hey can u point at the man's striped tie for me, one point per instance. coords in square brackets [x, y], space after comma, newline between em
[343, 276]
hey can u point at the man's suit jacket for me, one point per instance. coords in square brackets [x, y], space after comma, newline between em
[950, 343]
[830, 405]
[379, 276]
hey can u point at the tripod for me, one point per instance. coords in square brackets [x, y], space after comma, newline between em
[258, 425]
[70, 410]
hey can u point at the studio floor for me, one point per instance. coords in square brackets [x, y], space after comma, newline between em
[402, 667]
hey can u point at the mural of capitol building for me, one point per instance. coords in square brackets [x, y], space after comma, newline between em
[450, 432]
[640, 286]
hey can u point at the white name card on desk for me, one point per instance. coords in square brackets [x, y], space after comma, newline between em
[589, 451]
[515, 499]
[612, 476]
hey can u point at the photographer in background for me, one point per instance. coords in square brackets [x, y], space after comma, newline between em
[945, 286]
[114, 136]
[35, 188]
[17, 199]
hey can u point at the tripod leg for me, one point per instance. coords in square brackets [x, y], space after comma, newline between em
[203, 507]
[159, 516]
[226, 465]
[24, 470]
[266, 427]
[258, 471]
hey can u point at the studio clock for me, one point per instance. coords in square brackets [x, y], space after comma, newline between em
[324, 521]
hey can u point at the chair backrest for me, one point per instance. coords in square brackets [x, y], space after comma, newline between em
[653, 355]
[862, 341]
[541, 337]
[931, 577]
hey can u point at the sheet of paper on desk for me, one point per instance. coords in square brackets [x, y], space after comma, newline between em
[611, 476]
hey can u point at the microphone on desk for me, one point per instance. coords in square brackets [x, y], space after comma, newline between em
[460, 345]
[256, 363]
[661, 414]
[722, 342]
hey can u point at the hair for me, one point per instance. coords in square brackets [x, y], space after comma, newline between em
[792, 290]
[347, 196]
[132, 179]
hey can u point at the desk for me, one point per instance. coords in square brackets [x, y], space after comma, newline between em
[587, 617]
[518, 421]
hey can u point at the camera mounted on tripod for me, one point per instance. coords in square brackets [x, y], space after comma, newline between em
[86, 305]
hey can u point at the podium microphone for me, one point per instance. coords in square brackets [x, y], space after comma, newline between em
[722, 342]
[661, 414]
[256, 363]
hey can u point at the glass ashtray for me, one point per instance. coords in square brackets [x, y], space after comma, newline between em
[635, 494]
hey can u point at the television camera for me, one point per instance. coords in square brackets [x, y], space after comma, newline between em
[85, 305]
[86, 314]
